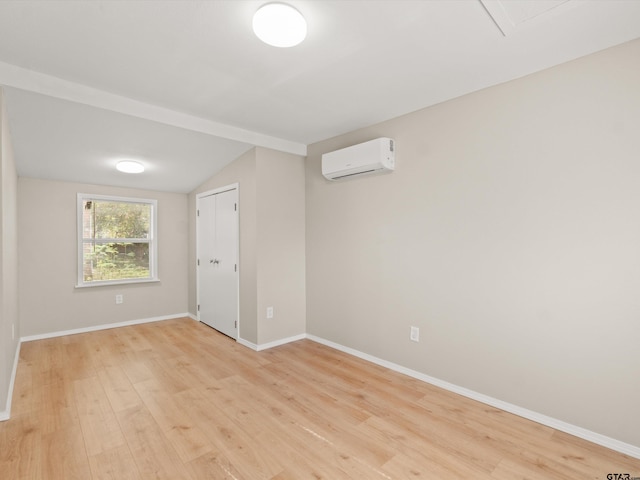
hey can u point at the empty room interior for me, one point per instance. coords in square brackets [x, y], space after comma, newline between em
[374, 239]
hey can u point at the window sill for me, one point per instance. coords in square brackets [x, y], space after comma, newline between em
[118, 282]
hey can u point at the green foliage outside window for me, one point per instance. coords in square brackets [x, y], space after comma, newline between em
[115, 240]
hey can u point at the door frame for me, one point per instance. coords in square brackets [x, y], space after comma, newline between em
[199, 196]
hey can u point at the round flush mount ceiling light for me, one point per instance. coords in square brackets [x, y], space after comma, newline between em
[130, 166]
[279, 25]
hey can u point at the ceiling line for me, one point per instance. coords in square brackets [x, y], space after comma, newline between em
[30, 80]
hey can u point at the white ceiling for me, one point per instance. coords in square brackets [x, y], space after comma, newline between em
[186, 87]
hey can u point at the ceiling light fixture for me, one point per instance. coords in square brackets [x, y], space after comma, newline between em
[279, 25]
[130, 166]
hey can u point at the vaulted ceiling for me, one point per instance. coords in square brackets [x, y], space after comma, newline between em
[186, 87]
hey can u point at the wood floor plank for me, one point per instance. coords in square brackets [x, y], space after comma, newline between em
[98, 421]
[177, 400]
[289, 383]
[135, 368]
[425, 467]
[169, 379]
[166, 342]
[416, 444]
[343, 445]
[134, 339]
[55, 407]
[183, 433]
[153, 454]
[118, 388]
[114, 464]
[297, 462]
[63, 455]
[510, 469]
[78, 358]
[21, 447]
[107, 349]
[279, 430]
[193, 371]
[50, 362]
[573, 449]
[213, 465]
[228, 437]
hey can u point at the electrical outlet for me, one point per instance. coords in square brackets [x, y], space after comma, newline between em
[415, 334]
[119, 299]
[269, 312]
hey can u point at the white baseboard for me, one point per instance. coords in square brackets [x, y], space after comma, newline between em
[247, 343]
[603, 440]
[6, 413]
[276, 343]
[282, 341]
[106, 326]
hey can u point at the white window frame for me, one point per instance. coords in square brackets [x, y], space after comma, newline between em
[152, 240]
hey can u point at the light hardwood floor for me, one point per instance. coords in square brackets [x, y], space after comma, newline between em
[177, 400]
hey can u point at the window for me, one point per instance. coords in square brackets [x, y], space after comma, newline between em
[116, 240]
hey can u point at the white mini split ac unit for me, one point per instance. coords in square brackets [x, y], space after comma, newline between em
[375, 156]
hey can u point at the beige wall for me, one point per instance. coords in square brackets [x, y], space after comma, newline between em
[272, 265]
[509, 234]
[281, 245]
[9, 322]
[243, 172]
[49, 301]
